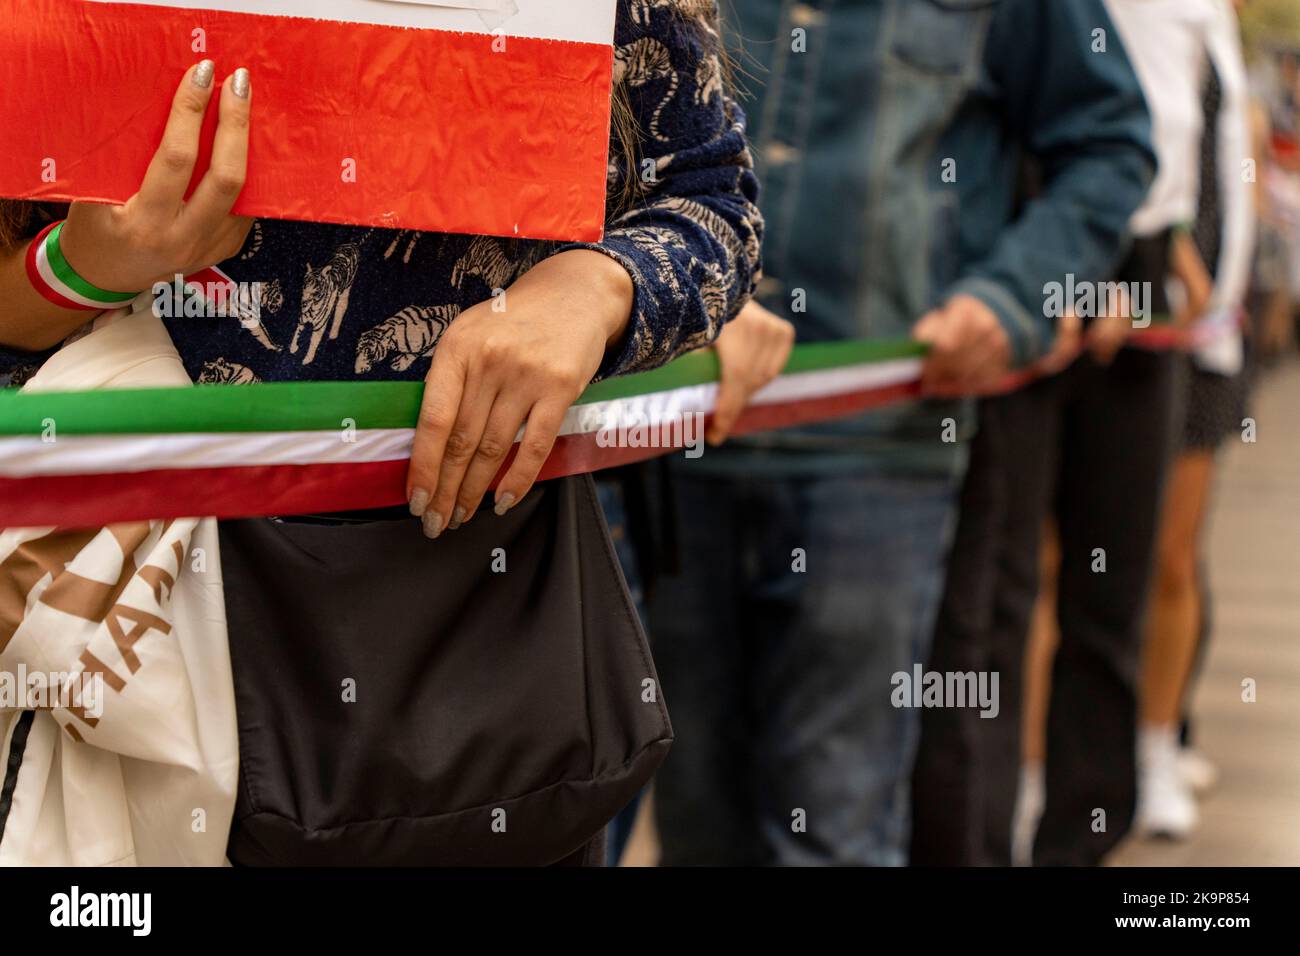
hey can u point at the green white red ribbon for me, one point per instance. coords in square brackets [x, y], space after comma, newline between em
[77, 459]
[54, 278]
[72, 460]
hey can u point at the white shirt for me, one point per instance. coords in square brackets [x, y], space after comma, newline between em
[1167, 42]
[1223, 353]
[1171, 44]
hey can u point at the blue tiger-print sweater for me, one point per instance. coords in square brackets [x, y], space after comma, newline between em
[341, 302]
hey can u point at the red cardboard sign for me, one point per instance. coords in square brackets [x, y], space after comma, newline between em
[471, 116]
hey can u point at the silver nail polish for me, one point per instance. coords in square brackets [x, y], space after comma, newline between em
[432, 524]
[504, 504]
[240, 84]
[203, 73]
[419, 502]
[457, 518]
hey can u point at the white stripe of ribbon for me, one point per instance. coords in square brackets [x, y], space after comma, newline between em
[27, 456]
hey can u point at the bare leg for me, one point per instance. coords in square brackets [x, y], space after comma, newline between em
[1043, 638]
[1165, 801]
[1175, 602]
[1040, 650]
[643, 845]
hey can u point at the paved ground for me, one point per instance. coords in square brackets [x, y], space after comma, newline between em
[1253, 816]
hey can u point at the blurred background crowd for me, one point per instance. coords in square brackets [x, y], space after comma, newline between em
[931, 168]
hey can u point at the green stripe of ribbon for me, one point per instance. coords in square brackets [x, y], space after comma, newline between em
[68, 276]
[322, 406]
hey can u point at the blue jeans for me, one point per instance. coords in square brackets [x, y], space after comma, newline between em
[799, 598]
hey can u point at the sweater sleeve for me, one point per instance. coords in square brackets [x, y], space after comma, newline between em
[690, 235]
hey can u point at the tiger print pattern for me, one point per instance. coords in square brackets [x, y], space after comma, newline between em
[699, 10]
[272, 296]
[409, 236]
[708, 81]
[486, 258]
[253, 244]
[222, 372]
[325, 295]
[644, 62]
[746, 247]
[405, 338]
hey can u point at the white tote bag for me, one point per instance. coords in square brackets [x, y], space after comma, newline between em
[131, 756]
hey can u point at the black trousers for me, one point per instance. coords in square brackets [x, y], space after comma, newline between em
[967, 767]
[1093, 445]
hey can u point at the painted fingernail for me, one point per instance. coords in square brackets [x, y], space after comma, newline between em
[504, 504]
[203, 73]
[241, 83]
[457, 518]
[432, 524]
[419, 502]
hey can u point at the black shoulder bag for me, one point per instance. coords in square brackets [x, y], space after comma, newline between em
[487, 698]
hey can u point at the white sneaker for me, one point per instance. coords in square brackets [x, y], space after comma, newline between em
[1165, 806]
[1029, 810]
[1198, 770]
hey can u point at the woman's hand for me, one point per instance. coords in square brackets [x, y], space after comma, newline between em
[752, 350]
[522, 359]
[1109, 331]
[156, 234]
[1198, 285]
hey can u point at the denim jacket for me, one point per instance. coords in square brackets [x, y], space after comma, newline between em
[889, 135]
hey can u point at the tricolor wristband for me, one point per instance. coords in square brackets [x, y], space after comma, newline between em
[56, 280]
